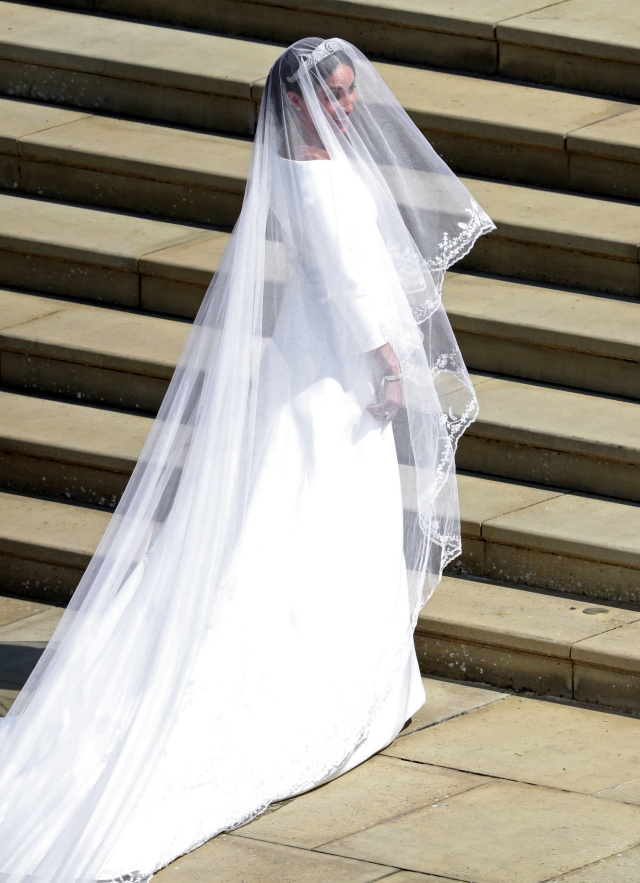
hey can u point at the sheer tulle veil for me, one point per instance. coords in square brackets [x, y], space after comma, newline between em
[87, 731]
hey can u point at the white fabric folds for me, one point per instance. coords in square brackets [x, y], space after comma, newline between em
[251, 606]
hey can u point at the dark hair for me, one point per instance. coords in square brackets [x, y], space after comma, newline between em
[322, 71]
[288, 64]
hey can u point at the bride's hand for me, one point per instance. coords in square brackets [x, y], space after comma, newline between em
[392, 399]
[391, 403]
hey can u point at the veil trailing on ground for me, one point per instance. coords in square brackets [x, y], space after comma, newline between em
[85, 735]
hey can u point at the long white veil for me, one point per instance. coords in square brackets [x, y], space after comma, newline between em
[84, 736]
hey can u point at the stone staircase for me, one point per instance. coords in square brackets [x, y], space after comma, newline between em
[124, 146]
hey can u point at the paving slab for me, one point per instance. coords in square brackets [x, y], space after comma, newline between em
[370, 794]
[627, 792]
[447, 699]
[621, 868]
[233, 859]
[502, 832]
[532, 740]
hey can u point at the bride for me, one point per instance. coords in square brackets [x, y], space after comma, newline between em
[244, 630]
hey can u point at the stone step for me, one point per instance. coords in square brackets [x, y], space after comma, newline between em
[92, 354]
[548, 538]
[45, 545]
[135, 262]
[67, 451]
[529, 639]
[497, 634]
[525, 431]
[576, 44]
[480, 126]
[520, 533]
[554, 436]
[125, 359]
[542, 235]
[584, 341]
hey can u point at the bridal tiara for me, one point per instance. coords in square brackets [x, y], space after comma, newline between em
[322, 50]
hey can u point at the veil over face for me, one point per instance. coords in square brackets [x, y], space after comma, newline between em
[348, 225]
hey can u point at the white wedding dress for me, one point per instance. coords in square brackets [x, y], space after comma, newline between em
[320, 559]
[244, 631]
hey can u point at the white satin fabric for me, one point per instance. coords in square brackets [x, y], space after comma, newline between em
[320, 560]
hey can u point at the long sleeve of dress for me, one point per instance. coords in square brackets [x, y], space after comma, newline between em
[334, 226]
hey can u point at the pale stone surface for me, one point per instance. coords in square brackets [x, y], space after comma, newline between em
[627, 792]
[7, 698]
[581, 26]
[34, 631]
[370, 794]
[233, 859]
[18, 309]
[617, 136]
[560, 419]
[562, 220]
[497, 665]
[144, 149]
[517, 618]
[83, 234]
[574, 525]
[532, 740]
[14, 609]
[502, 832]
[465, 16]
[94, 335]
[133, 50]
[194, 262]
[621, 868]
[49, 531]
[493, 109]
[600, 325]
[17, 119]
[619, 649]
[482, 499]
[99, 438]
[447, 699]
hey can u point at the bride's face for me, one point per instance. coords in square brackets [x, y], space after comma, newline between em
[340, 91]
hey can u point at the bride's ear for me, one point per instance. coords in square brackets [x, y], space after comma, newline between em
[296, 100]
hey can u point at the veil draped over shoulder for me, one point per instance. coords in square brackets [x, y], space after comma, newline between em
[331, 258]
